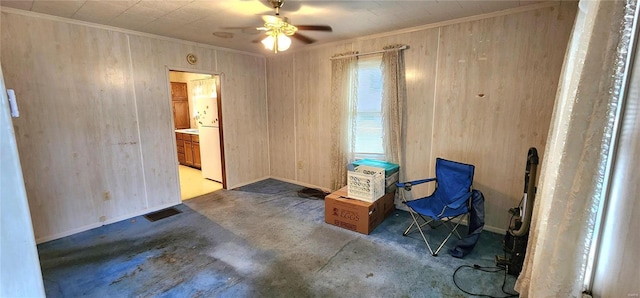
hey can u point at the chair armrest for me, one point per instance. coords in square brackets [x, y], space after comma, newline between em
[407, 185]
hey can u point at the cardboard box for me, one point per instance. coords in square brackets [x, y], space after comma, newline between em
[356, 215]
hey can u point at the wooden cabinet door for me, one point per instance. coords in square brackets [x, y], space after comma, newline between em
[196, 154]
[181, 114]
[180, 147]
[180, 103]
[181, 159]
[178, 91]
[188, 153]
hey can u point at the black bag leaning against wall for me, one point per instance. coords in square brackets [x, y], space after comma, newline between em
[515, 240]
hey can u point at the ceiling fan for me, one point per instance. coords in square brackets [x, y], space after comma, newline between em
[278, 29]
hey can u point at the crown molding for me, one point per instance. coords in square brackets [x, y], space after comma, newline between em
[121, 30]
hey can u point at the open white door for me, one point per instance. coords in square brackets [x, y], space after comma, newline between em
[20, 274]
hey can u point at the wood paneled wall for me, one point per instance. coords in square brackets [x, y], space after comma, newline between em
[282, 140]
[95, 135]
[244, 117]
[479, 91]
[496, 87]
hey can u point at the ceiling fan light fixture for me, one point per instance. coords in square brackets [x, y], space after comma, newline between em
[269, 43]
[276, 41]
[279, 30]
[284, 42]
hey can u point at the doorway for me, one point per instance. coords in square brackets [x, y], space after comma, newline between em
[195, 101]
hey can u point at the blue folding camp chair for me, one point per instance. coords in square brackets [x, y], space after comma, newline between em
[449, 201]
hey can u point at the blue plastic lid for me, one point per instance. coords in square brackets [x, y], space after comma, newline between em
[388, 167]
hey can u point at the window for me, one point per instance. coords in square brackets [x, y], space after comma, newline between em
[368, 123]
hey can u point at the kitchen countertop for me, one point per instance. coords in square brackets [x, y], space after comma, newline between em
[191, 131]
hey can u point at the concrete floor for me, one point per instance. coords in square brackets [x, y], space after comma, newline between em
[260, 241]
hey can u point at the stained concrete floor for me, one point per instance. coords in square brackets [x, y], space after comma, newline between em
[260, 241]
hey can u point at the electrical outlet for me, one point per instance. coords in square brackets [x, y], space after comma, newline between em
[106, 196]
[300, 165]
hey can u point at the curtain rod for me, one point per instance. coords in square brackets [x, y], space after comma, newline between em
[370, 53]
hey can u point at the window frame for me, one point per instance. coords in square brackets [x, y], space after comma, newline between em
[368, 63]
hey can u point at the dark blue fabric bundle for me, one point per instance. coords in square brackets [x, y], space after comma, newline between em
[476, 223]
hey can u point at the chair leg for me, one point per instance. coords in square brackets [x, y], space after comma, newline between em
[460, 221]
[415, 222]
[452, 228]
[419, 227]
[408, 230]
[448, 236]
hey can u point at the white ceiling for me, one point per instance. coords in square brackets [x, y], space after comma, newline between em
[197, 20]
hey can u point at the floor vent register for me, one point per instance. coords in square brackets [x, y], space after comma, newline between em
[158, 215]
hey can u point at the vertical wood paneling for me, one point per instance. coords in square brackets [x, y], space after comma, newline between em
[282, 115]
[77, 134]
[313, 113]
[312, 96]
[497, 80]
[244, 120]
[150, 59]
[480, 92]
[95, 135]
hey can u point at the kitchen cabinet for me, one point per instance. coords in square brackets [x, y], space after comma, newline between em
[180, 145]
[180, 105]
[178, 90]
[181, 114]
[188, 153]
[196, 154]
[188, 149]
[195, 146]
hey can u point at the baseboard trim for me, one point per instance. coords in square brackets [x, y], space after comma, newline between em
[246, 183]
[300, 183]
[106, 222]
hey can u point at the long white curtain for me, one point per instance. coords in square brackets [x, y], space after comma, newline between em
[344, 79]
[576, 158]
[393, 102]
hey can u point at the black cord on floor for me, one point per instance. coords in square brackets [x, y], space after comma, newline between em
[490, 269]
[484, 269]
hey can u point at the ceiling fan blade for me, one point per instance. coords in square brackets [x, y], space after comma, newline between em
[303, 38]
[247, 30]
[315, 27]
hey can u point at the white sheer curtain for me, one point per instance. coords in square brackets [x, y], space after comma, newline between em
[393, 102]
[201, 88]
[204, 88]
[576, 156]
[344, 79]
